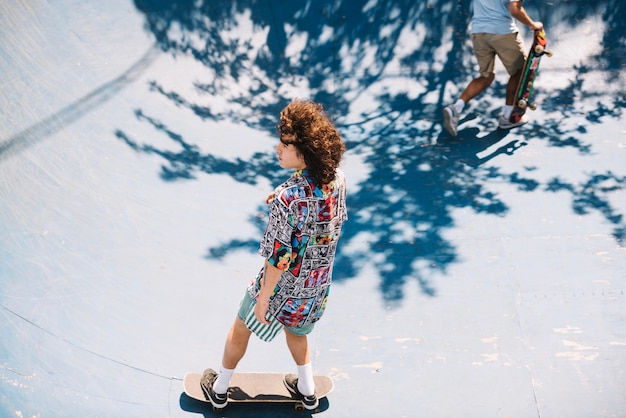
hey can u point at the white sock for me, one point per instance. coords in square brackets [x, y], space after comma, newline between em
[306, 385]
[506, 111]
[459, 105]
[223, 380]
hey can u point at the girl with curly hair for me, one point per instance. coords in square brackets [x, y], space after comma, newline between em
[305, 219]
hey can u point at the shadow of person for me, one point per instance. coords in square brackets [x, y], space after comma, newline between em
[467, 146]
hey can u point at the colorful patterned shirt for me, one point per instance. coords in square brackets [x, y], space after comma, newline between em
[305, 220]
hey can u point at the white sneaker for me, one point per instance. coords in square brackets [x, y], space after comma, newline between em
[450, 119]
[219, 401]
[504, 123]
[309, 402]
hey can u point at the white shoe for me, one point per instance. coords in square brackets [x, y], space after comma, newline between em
[309, 402]
[504, 123]
[450, 119]
[219, 401]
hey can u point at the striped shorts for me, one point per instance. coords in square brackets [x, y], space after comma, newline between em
[265, 332]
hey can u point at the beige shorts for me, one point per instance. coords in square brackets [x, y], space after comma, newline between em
[509, 48]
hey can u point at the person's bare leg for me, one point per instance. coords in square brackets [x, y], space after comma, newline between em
[511, 88]
[476, 86]
[299, 348]
[236, 344]
[234, 350]
[451, 114]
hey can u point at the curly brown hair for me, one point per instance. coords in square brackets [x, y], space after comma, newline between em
[305, 124]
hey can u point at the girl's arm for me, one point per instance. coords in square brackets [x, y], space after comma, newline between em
[268, 283]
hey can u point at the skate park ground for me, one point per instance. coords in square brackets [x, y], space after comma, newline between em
[477, 276]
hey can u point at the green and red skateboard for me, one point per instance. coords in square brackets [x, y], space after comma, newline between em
[529, 74]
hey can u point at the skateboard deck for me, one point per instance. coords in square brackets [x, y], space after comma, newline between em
[257, 387]
[529, 74]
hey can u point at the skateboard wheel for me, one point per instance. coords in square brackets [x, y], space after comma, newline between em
[538, 49]
[533, 106]
[299, 407]
[522, 104]
[549, 53]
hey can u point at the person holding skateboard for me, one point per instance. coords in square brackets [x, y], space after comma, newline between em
[306, 214]
[494, 33]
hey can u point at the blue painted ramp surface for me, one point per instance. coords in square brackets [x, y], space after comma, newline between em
[481, 276]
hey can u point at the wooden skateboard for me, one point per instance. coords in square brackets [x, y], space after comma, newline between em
[529, 73]
[257, 387]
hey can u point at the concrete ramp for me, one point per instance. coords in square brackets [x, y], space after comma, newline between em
[478, 276]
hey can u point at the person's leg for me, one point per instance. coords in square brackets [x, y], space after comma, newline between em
[299, 348]
[485, 56]
[486, 59]
[476, 86]
[215, 385]
[511, 88]
[451, 114]
[511, 52]
[303, 384]
[234, 350]
[505, 121]
[236, 344]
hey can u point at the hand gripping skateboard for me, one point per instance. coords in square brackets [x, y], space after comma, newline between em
[257, 387]
[529, 73]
